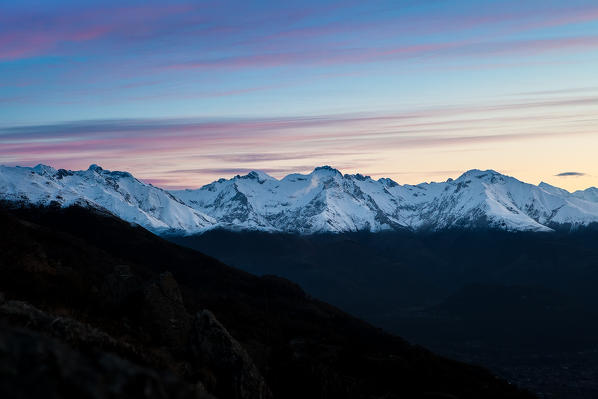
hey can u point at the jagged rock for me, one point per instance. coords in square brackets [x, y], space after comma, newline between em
[164, 302]
[226, 365]
[119, 286]
[203, 392]
[33, 365]
[77, 334]
[170, 288]
[237, 375]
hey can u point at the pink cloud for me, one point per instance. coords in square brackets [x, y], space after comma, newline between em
[338, 144]
[368, 55]
[152, 137]
[23, 40]
[511, 21]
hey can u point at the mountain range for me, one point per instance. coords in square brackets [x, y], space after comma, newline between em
[322, 201]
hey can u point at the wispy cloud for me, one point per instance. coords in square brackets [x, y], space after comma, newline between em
[360, 55]
[240, 128]
[568, 90]
[238, 170]
[570, 174]
[193, 149]
[285, 80]
[24, 34]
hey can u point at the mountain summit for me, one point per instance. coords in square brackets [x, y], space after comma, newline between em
[116, 192]
[322, 201]
[327, 201]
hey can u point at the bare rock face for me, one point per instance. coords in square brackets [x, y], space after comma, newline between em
[215, 357]
[170, 288]
[164, 303]
[237, 375]
[50, 356]
[64, 328]
[34, 365]
[119, 286]
[89, 361]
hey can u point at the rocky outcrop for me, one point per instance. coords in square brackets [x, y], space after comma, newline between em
[167, 314]
[119, 286]
[237, 375]
[29, 335]
[64, 328]
[44, 355]
[34, 365]
[231, 372]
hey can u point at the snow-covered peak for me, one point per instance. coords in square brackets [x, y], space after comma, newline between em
[95, 168]
[322, 201]
[44, 170]
[117, 192]
[358, 176]
[553, 189]
[258, 175]
[386, 181]
[326, 200]
[589, 194]
[326, 171]
[488, 174]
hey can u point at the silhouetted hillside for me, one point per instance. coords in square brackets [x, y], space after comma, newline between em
[523, 304]
[121, 312]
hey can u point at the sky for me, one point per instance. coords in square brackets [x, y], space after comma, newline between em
[182, 93]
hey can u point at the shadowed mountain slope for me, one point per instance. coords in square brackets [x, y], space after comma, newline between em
[93, 285]
[521, 303]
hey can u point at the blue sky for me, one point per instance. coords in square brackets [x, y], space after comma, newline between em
[394, 88]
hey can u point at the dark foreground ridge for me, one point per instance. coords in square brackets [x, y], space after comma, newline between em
[95, 307]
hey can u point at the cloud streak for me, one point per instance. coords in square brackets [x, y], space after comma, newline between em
[381, 85]
[24, 36]
[340, 56]
[185, 150]
[570, 174]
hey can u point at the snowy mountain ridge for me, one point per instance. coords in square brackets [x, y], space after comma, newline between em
[116, 192]
[324, 200]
